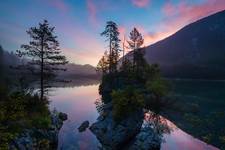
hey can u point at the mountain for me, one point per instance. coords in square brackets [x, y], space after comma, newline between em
[79, 71]
[73, 72]
[7, 58]
[195, 51]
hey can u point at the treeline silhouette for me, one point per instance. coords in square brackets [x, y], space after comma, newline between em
[129, 83]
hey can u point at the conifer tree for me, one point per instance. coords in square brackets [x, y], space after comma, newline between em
[135, 42]
[103, 64]
[43, 54]
[112, 35]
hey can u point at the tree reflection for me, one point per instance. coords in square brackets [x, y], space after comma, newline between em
[159, 124]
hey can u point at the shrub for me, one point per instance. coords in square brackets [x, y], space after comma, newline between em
[126, 102]
[157, 87]
[18, 111]
[41, 122]
[157, 98]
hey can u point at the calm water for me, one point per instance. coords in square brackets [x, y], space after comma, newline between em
[78, 103]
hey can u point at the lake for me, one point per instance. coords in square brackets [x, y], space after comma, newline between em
[79, 104]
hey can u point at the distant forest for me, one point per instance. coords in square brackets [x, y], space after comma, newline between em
[8, 60]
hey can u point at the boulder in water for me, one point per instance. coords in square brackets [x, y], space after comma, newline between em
[63, 116]
[83, 126]
[112, 134]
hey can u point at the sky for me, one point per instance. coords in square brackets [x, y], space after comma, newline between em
[78, 23]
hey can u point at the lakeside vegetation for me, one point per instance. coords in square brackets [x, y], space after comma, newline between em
[24, 107]
[21, 110]
[130, 84]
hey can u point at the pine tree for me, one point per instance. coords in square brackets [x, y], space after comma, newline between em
[112, 35]
[43, 54]
[135, 42]
[103, 64]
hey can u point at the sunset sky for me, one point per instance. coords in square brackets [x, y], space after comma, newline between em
[79, 22]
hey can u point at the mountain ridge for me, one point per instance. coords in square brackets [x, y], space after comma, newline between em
[73, 71]
[195, 51]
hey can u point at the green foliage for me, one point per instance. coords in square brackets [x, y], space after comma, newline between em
[103, 64]
[41, 122]
[136, 39]
[111, 33]
[44, 55]
[157, 98]
[157, 87]
[136, 84]
[43, 144]
[125, 102]
[126, 67]
[19, 110]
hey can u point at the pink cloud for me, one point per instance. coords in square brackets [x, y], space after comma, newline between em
[84, 48]
[140, 3]
[80, 45]
[122, 30]
[59, 4]
[150, 38]
[81, 57]
[168, 9]
[189, 12]
[181, 14]
[92, 12]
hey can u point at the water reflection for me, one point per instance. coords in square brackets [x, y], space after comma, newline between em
[79, 104]
[172, 137]
[159, 124]
[77, 82]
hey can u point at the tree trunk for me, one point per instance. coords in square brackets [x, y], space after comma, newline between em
[123, 49]
[134, 55]
[110, 54]
[42, 69]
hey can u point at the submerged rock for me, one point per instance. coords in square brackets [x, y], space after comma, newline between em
[113, 135]
[83, 126]
[147, 139]
[33, 138]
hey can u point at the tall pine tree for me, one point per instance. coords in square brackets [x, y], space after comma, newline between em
[112, 35]
[135, 42]
[44, 55]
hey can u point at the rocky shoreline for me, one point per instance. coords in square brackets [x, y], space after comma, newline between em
[33, 139]
[129, 134]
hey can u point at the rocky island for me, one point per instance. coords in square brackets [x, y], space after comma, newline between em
[132, 133]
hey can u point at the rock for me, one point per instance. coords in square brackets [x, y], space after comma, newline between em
[25, 142]
[31, 139]
[63, 116]
[113, 135]
[83, 126]
[151, 134]
[147, 139]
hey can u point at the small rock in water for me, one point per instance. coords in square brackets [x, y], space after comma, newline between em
[83, 126]
[63, 116]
